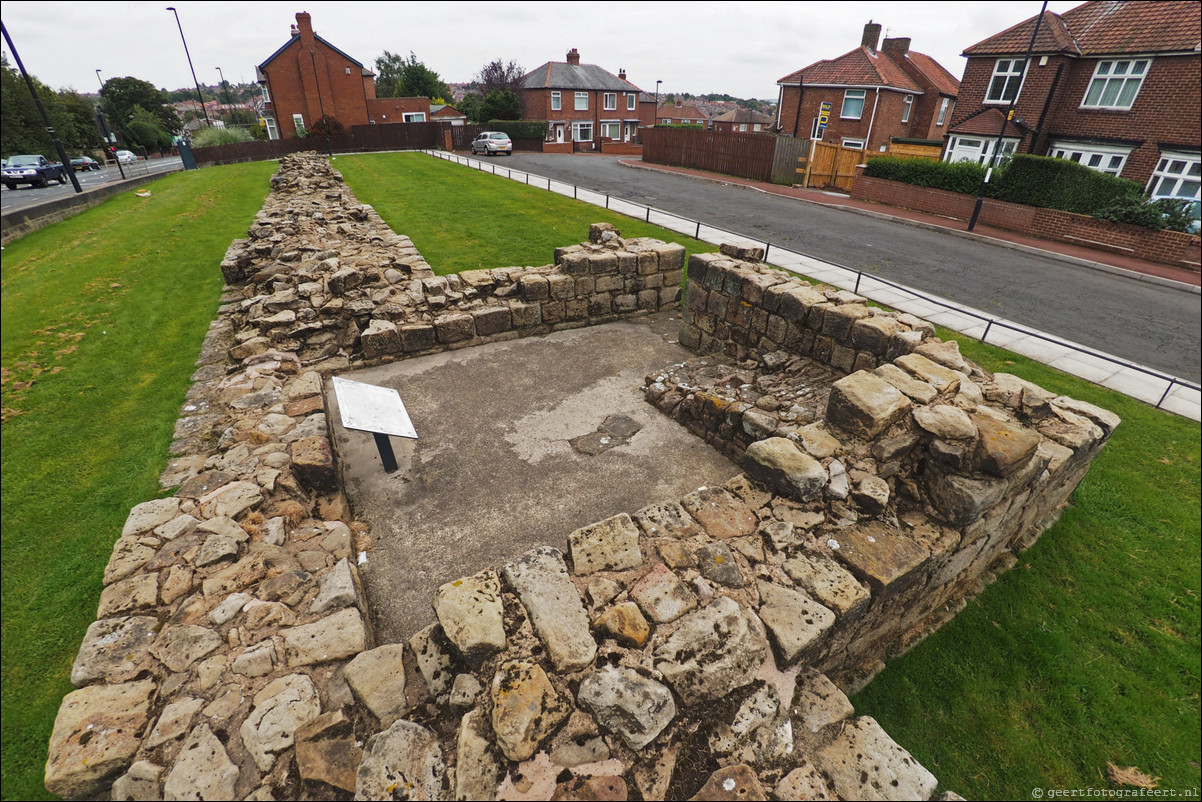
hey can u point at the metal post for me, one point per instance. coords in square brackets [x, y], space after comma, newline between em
[199, 97]
[225, 87]
[384, 446]
[58, 146]
[997, 146]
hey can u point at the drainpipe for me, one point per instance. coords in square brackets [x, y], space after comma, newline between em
[868, 139]
[1046, 108]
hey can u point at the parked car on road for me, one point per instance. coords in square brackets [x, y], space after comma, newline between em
[492, 143]
[32, 169]
[84, 163]
[126, 156]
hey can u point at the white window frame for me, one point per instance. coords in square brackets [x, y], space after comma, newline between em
[609, 101]
[413, 117]
[944, 106]
[982, 148]
[556, 101]
[742, 128]
[631, 101]
[1111, 81]
[612, 129]
[298, 122]
[907, 107]
[581, 101]
[1006, 70]
[272, 131]
[852, 144]
[1100, 158]
[578, 126]
[1178, 175]
[851, 94]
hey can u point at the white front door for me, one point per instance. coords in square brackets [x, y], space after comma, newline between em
[559, 133]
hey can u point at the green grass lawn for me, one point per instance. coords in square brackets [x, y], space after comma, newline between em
[103, 317]
[463, 219]
[1087, 652]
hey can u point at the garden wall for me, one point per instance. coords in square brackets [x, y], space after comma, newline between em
[683, 649]
[1168, 247]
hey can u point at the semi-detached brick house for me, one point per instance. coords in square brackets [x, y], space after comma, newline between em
[1116, 86]
[308, 76]
[584, 103]
[679, 113]
[876, 95]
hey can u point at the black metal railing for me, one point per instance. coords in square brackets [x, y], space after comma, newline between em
[645, 211]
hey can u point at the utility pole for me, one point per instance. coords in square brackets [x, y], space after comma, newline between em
[199, 97]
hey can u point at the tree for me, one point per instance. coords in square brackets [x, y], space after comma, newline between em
[397, 76]
[327, 126]
[501, 105]
[496, 76]
[470, 106]
[121, 95]
[22, 129]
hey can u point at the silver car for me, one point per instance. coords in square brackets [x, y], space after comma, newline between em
[492, 143]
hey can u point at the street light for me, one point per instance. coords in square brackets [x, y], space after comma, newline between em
[225, 87]
[656, 120]
[199, 97]
[110, 139]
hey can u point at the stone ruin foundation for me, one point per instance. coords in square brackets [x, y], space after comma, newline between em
[697, 648]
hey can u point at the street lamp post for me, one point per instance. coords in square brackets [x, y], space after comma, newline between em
[110, 139]
[199, 97]
[225, 87]
[656, 120]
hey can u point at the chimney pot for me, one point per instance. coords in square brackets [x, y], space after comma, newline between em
[573, 56]
[872, 35]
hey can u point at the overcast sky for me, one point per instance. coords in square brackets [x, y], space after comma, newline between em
[740, 48]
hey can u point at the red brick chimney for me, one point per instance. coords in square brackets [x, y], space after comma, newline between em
[896, 48]
[621, 74]
[574, 57]
[305, 23]
[872, 35]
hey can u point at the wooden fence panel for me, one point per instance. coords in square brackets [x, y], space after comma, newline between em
[833, 166]
[789, 155]
[742, 155]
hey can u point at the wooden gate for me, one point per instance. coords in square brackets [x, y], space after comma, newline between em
[832, 166]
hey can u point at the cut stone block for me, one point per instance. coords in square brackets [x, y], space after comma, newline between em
[785, 468]
[865, 405]
[540, 579]
[863, 762]
[795, 622]
[469, 610]
[609, 545]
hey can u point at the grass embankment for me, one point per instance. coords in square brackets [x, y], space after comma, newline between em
[103, 317]
[463, 219]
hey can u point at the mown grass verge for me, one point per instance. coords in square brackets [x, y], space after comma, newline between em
[463, 219]
[103, 317]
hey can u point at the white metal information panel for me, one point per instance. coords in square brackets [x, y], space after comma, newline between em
[368, 408]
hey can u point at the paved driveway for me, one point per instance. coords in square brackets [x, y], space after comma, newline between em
[1147, 324]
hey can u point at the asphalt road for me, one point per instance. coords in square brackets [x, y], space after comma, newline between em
[1150, 325]
[25, 195]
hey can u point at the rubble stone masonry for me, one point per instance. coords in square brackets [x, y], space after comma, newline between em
[700, 647]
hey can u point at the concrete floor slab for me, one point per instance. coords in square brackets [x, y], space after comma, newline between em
[494, 473]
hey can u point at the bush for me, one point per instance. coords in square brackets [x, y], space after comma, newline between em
[1053, 183]
[521, 129]
[327, 126]
[962, 177]
[208, 137]
[1170, 213]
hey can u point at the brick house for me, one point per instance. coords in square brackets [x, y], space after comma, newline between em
[585, 104]
[876, 95]
[743, 121]
[679, 113]
[308, 76]
[1111, 85]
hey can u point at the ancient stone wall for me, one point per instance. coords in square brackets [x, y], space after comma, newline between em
[678, 650]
